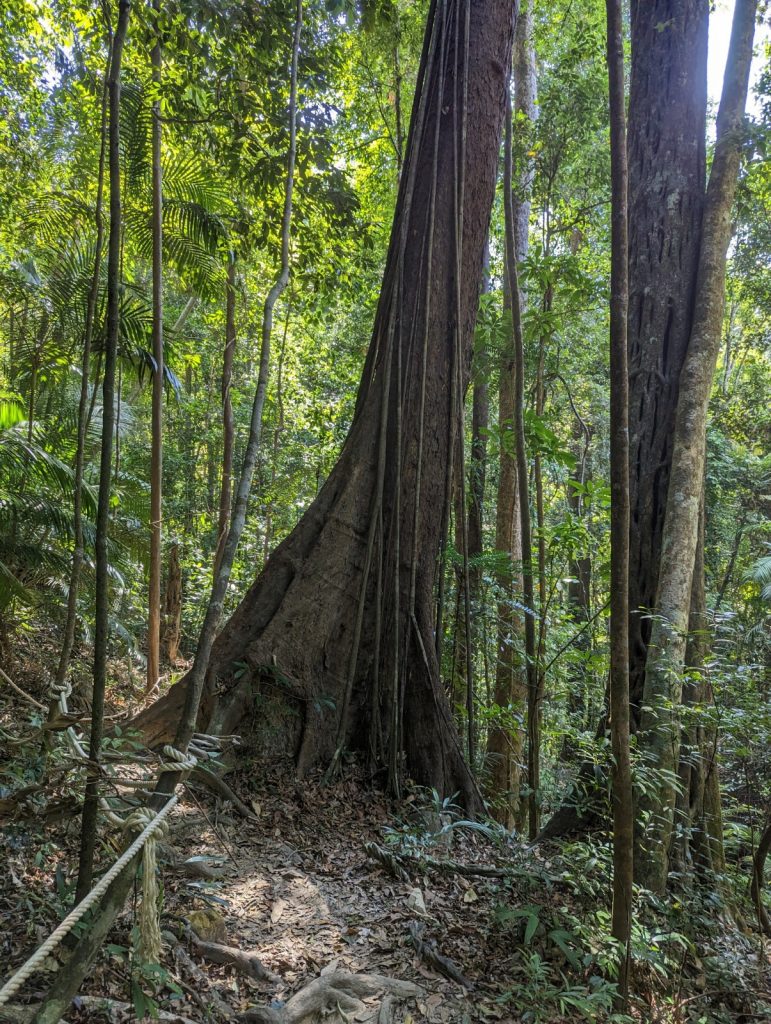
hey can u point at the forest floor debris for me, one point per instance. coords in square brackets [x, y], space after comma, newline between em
[308, 903]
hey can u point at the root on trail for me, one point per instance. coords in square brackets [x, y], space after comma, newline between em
[427, 950]
[220, 788]
[248, 964]
[341, 992]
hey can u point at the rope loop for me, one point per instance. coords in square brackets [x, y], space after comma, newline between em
[177, 761]
[59, 690]
[143, 817]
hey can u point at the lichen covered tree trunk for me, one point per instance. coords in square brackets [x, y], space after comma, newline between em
[336, 634]
[659, 726]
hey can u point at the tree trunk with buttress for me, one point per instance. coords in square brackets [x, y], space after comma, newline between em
[337, 632]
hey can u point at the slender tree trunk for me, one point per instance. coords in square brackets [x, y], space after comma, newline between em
[101, 630]
[226, 489]
[172, 606]
[621, 775]
[579, 591]
[699, 838]
[660, 730]
[78, 553]
[156, 443]
[506, 740]
[278, 433]
[345, 604]
[187, 722]
[480, 422]
[518, 420]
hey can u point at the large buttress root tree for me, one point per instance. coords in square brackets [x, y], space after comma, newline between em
[337, 633]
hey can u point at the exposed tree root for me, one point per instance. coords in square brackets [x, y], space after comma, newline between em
[390, 861]
[338, 991]
[398, 865]
[212, 998]
[427, 950]
[248, 964]
[221, 789]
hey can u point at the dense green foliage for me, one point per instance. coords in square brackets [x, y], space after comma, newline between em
[224, 99]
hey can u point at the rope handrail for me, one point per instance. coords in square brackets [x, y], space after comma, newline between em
[16, 980]
[172, 760]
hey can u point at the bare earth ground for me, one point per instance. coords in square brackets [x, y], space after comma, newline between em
[294, 886]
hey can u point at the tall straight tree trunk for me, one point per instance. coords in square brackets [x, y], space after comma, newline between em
[579, 590]
[78, 554]
[621, 774]
[667, 170]
[226, 488]
[666, 153]
[344, 609]
[660, 729]
[156, 442]
[506, 740]
[469, 544]
[699, 839]
[523, 490]
[102, 625]
[480, 422]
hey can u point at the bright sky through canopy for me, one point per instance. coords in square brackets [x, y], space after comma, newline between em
[719, 37]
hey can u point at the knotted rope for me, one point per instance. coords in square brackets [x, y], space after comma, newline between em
[27, 969]
[149, 923]
[152, 826]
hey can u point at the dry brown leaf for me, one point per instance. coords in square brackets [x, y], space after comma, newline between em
[278, 909]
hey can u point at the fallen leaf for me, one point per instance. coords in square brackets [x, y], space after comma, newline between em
[416, 902]
[278, 909]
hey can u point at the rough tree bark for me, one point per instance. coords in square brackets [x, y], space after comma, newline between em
[667, 170]
[659, 739]
[343, 612]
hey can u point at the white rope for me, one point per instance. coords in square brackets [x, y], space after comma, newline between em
[151, 824]
[177, 761]
[149, 919]
[16, 981]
